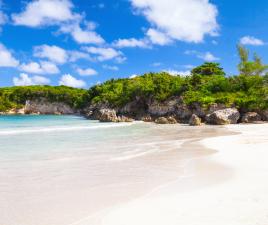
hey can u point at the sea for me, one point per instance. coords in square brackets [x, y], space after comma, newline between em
[67, 170]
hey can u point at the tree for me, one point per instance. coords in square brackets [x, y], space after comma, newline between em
[208, 69]
[250, 68]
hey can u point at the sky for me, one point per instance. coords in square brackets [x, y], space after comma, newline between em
[80, 43]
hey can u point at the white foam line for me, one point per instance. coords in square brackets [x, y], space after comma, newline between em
[52, 129]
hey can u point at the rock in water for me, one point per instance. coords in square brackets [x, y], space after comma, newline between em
[251, 117]
[195, 120]
[162, 120]
[171, 120]
[107, 115]
[223, 117]
[124, 119]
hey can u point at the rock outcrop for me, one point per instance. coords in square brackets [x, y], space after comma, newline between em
[124, 119]
[223, 117]
[195, 121]
[164, 108]
[264, 115]
[251, 117]
[105, 115]
[166, 120]
[44, 107]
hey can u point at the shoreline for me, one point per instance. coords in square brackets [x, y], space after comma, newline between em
[172, 174]
[239, 198]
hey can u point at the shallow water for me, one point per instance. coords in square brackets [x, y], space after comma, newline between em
[60, 170]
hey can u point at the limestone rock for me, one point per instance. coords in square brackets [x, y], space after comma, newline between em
[124, 119]
[195, 120]
[171, 120]
[223, 117]
[42, 106]
[251, 117]
[107, 115]
[162, 120]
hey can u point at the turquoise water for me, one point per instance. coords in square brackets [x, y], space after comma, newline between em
[41, 135]
[59, 170]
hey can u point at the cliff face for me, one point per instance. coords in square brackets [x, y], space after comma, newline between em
[45, 107]
[42, 106]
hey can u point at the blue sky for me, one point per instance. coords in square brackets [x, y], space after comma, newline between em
[83, 42]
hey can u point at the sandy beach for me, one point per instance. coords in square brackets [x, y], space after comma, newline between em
[228, 187]
[137, 174]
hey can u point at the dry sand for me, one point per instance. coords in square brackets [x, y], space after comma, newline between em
[226, 188]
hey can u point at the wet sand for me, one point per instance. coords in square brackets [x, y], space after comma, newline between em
[228, 187]
[131, 170]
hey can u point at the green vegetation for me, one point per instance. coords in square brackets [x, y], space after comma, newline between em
[208, 84]
[15, 97]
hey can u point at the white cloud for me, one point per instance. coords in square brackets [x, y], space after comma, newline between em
[249, 40]
[183, 20]
[25, 80]
[103, 54]
[38, 13]
[86, 36]
[158, 38]
[188, 66]
[43, 67]
[107, 67]
[207, 56]
[53, 53]
[131, 43]
[156, 64]
[45, 12]
[70, 81]
[133, 76]
[176, 73]
[76, 55]
[6, 58]
[86, 72]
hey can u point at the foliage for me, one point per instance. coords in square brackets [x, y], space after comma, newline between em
[208, 69]
[15, 97]
[250, 68]
[207, 85]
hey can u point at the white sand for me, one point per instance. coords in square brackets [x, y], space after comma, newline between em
[226, 188]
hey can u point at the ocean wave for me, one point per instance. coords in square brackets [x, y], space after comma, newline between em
[149, 148]
[61, 128]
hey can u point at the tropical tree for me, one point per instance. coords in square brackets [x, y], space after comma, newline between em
[208, 69]
[250, 68]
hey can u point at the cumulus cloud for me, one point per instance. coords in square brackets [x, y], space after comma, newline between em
[53, 53]
[58, 13]
[107, 67]
[131, 43]
[158, 37]
[82, 36]
[70, 81]
[183, 20]
[207, 56]
[157, 64]
[103, 54]
[25, 80]
[86, 72]
[43, 67]
[250, 40]
[180, 73]
[133, 76]
[6, 58]
[45, 12]
[76, 55]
